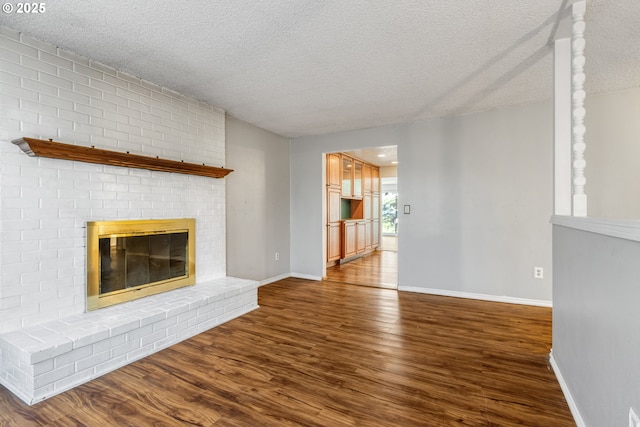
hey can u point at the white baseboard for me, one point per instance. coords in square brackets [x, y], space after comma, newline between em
[274, 279]
[305, 276]
[484, 297]
[567, 393]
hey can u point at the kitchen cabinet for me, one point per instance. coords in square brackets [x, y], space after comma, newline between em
[334, 184]
[368, 206]
[333, 224]
[352, 178]
[361, 236]
[353, 207]
[375, 233]
[349, 242]
[367, 170]
[334, 251]
[358, 183]
[334, 164]
[375, 209]
[375, 206]
[375, 180]
[333, 205]
[347, 176]
[354, 237]
[368, 212]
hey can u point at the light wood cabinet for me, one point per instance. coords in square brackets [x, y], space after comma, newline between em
[366, 176]
[347, 176]
[368, 235]
[349, 242]
[368, 206]
[334, 251]
[375, 232]
[334, 183]
[352, 178]
[361, 236]
[375, 206]
[355, 235]
[333, 205]
[358, 184]
[352, 186]
[375, 180]
[334, 165]
[368, 211]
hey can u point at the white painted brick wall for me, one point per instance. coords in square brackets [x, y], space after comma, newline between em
[46, 92]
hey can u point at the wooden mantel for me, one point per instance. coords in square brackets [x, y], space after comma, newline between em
[57, 150]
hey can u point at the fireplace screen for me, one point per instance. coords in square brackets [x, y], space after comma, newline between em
[132, 259]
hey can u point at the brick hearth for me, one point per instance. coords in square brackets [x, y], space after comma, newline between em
[40, 361]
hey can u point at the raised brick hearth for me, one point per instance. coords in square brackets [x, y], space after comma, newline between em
[40, 361]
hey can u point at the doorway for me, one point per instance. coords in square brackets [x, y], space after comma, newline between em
[380, 267]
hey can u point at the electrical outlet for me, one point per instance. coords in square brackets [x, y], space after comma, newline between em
[538, 273]
[277, 256]
[634, 419]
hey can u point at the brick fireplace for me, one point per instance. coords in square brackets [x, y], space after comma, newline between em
[45, 205]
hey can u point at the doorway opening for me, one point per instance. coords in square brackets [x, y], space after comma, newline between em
[377, 268]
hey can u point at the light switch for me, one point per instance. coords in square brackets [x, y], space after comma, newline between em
[407, 209]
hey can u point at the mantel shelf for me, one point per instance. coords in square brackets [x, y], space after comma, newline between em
[57, 150]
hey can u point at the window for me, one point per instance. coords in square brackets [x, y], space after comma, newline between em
[390, 212]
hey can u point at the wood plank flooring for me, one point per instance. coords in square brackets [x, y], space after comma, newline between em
[378, 269]
[326, 354]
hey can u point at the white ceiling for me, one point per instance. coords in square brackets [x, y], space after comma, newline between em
[379, 156]
[304, 67]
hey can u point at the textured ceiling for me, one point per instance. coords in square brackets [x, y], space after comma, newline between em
[303, 67]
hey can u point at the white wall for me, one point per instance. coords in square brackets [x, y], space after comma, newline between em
[388, 172]
[389, 179]
[257, 202]
[595, 322]
[595, 294]
[479, 187]
[613, 150]
[47, 93]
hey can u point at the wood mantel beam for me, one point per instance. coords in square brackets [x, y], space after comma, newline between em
[57, 150]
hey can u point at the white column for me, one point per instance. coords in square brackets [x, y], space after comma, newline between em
[578, 95]
[562, 200]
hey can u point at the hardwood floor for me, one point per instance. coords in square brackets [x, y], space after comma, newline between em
[325, 354]
[378, 269]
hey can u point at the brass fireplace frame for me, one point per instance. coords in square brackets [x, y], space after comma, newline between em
[126, 228]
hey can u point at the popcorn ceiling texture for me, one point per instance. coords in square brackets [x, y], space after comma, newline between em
[313, 67]
[46, 92]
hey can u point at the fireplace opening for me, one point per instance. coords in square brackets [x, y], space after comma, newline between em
[130, 259]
